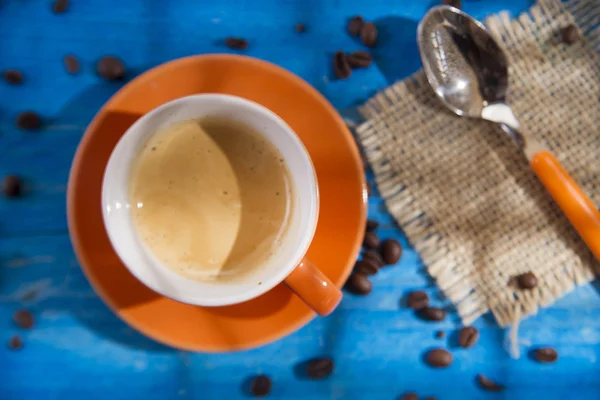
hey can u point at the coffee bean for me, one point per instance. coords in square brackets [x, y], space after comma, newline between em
[410, 396]
[71, 64]
[440, 334]
[236, 43]
[453, 3]
[29, 121]
[368, 34]
[355, 24]
[260, 386]
[569, 34]
[418, 300]
[367, 266]
[60, 6]
[432, 314]
[13, 77]
[545, 355]
[488, 384]
[391, 251]
[341, 68]
[374, 256]
[359, 284]
[11, 186]
[430, 398]
[372, 225]
[439, 358]
[467, 337]
[15, 343]
[110, 68]
[371, 240]
[369, 189]
[300, 28]
[23, 319]
[359, 59]
[527, 280]
[319, 368]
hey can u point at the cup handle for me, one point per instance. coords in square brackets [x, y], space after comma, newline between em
[314, 288]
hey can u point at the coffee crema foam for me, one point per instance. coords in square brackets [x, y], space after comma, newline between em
[211, 199]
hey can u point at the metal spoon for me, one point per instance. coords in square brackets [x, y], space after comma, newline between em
[468, 71]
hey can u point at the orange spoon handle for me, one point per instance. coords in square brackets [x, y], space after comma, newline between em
[576, 205]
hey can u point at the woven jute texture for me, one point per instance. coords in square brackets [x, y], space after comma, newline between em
[464, 194]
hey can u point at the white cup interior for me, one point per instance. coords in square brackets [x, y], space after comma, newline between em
[144, 265]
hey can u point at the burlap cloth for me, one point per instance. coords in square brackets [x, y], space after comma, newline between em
[462, 192]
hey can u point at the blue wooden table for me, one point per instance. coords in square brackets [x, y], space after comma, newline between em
[80, 350]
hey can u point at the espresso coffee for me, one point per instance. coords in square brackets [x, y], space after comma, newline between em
[211, 198]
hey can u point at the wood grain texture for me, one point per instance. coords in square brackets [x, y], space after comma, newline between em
[79, 349]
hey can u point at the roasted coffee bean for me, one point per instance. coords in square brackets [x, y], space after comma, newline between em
[359, 284]
[355, 24]
[29, 121]
[71, 64]
[300, 28]
[359, 59]
[430, 398]
[545, 355]
[527, 280]
[374, 255]
[453, 3]
[569, 34]
[372, 225]
[110, 68]
[369, 189]
[371, 241]
[418, 300]
[236, 43]
[440, 334]
[488, 384]
[11, 186]
[60, 6]
[367, 266]
[368, 34]
[319, 368]
[341, 68]
[432, 314]
[391, 251]
[439, 358]
[468, 336]
[260, 386]
[23, 319]
[15, 343]
[13, 76]
[410, 396]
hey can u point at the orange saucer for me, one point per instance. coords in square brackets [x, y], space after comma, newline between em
[342, 209]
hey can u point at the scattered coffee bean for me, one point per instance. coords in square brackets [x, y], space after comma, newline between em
[569, 34]
[432, 314]
[110, 68]
[367, 266]
[440, 334]
[23, 319]
[410, 396]
[13, 76]
[372, 225]
[29, 121]
[527, 280]
[60, 6]
[260, 386]
[236, 43]
[71, 64]
[391, 251]
[355, 24]
[15, 343]
[359, 284]
[439, 358]
[453, 3]
[11, 186]
[430, 398]
[418, 300]
[341, 68]
[374, 256]
[359, 59]
[319, 368]
[371, 240]
[467, 337]
[300, 28]
[546, 355]
[488, 384]
[369, 189]
[368, 34]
